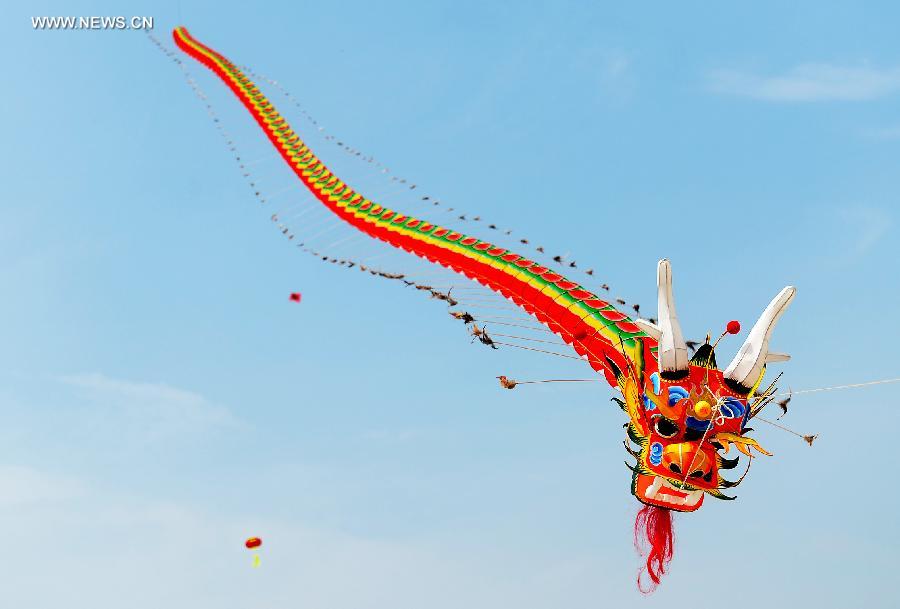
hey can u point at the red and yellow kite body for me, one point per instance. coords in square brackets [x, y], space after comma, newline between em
[684, 413]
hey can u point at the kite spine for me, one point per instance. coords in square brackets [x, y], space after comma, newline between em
[592, 326]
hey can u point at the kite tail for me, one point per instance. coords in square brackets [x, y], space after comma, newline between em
[597, 331]
[653, 538]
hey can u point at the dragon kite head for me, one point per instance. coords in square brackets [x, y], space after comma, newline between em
[685, 414]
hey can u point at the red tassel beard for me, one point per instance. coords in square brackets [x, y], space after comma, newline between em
[653, 538]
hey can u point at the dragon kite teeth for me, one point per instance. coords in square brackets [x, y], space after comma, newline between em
[663, 490]
[684, 412]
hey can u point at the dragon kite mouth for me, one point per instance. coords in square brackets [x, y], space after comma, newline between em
[658, 491]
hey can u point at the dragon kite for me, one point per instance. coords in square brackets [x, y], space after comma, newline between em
[684, 413]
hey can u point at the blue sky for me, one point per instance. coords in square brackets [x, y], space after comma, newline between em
[161, 400]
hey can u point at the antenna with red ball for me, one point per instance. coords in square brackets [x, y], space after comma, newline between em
[732, 327]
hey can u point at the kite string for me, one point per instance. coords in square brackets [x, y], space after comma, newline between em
[288, 230]
[407, 185]
[325, 219]
[782, 427]
[801, 391]
[538, 350]
[328, 219]
[559, 380]
[837, 387]
[534, 340]
[714, 411]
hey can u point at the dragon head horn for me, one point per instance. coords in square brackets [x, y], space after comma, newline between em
[673, 351]
[747, 366]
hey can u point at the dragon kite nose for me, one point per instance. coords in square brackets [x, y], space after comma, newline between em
[684, 456]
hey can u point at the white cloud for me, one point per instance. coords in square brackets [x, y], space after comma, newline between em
[868, 225]
[809, 82]
[390, 436]
[616, 76]
[103, 550]
[882, 133]
[26, 487]
[616, 64]
[157, 406]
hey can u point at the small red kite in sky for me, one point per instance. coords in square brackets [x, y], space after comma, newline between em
[253, 544]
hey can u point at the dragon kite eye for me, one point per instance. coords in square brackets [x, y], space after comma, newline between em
[665, 427]
[697, 474]
[674, 467]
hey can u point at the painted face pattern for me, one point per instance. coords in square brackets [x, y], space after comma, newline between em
[679, 431]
